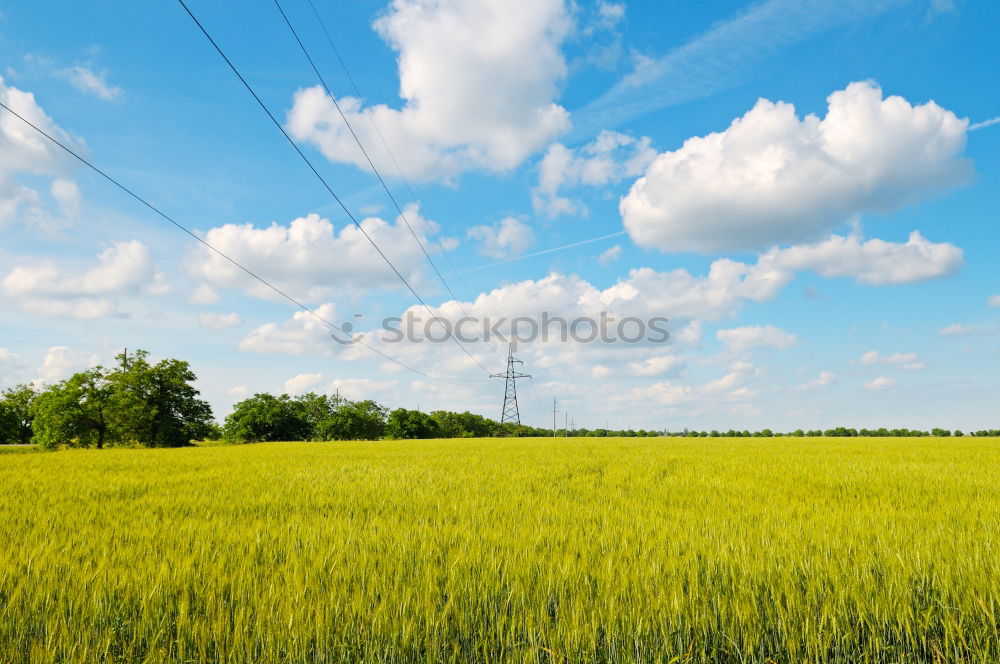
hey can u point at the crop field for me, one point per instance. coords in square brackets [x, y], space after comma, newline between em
[521, 550]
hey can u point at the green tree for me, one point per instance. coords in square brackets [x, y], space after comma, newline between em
[318, 411]
[267, 418]
[156, 405]
[15, 414]
[8, 430]
[356, 420]
[463, 425]
[76, 412]
[411, 424]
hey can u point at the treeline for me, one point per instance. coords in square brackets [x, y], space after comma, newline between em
[133, 404]
[137, 403]
[316, 417]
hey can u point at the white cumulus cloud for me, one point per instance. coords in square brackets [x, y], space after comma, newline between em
[478, 79]
[657, 366]
[508, 237]
[825, 379]
[358, 389]
[23, 152]
[309, 258]
[609, 256]
[881, 383]
[217, 321]
[875, 262]
[302, 383]
[47, 288]
[63, 361]
[238, 391]
[756, 336]
[732, 388]
[609, 158]
[772, 178]
[963, 330]
[302, 334]
[903, 361]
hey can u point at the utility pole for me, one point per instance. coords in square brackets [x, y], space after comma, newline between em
[554, 411]
[566, 424]
[510, 413]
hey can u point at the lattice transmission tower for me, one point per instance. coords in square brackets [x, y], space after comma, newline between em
[510, 415]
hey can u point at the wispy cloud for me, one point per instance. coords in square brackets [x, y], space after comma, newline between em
[714, 60]
[984, 124]
[92, 82]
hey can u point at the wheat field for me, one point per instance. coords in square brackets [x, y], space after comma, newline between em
[519, 550]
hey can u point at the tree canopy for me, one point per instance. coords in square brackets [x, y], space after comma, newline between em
[15, 414]
[135, 403]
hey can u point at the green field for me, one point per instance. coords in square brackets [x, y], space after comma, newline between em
[518, 550]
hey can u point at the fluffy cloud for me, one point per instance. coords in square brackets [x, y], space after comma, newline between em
[825, 379]
[92, 82]
[903, 361]
[881, 383]
[645, 292]
[993, 301]
[9, 358]
[45, 288]
[62, 361]
[612, 12]
[309, 258]
[357, 389]
[657, 366]
[302, 383]
[238, 391]
[772, 178]
[478, 80]
[509, 237]
[963, 330]
[682, 297]
[610, 158]
[23, 152]
[203, 294]
[756, 336]
[600, 371]
[609, 256]
[733, 388]
[10, 366]
[302, 334]
[216, 321]
[875, 262]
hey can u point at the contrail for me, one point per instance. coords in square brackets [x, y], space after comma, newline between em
[542, 252]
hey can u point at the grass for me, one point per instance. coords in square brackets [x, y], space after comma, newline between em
[528, 550]
[17, 449]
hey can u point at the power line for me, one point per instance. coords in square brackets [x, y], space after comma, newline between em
[309, 163]
[385, 144]
[357, 139]
[202, 241]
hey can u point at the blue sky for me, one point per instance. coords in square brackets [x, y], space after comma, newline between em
[765, 166]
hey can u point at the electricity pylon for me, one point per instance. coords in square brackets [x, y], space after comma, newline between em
[510, 414]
